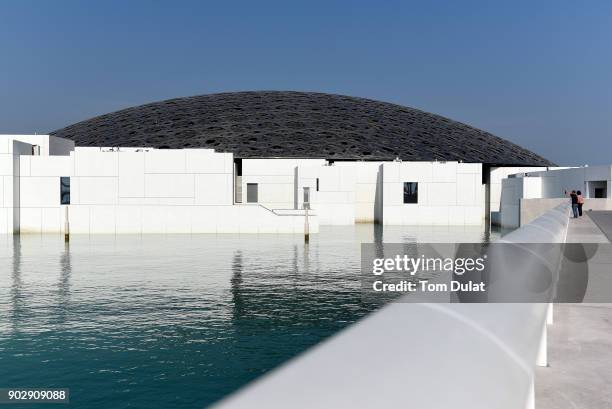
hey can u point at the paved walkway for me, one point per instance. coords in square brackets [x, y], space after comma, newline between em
[584, 230]
[580, 340]
[603, 220]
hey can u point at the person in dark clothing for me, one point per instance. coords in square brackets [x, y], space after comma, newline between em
[580, 202]
[574, 197]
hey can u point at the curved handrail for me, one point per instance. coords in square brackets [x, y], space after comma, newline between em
[460, 356]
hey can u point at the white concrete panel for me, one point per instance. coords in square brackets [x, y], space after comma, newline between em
[30, 220]
[416, 172]
[444, 172]
[153, 220]
[423, 194]
[4, 144]
[129, 219]
[276, 166]
[456, 215]
[165, 161]
[213, 189]
[60, 146]
[6, 164]
[364, 213]
[367, 172]
[393, 194]
[229, 162]
[103, 219]
[205, 161]
[336, 197]
[408, 215]
[4, 212]
[393, 214]
[227, 218]
[25, 165]
[178, 219]
[50, 165]
[39, 191]
[276, 195]
[391, 172]
[174, 201]
[433, 215]
[51, 220]
[510, 216]
[8, 190]
[131, 174]
[466, 189]
[21, 148]
[365, 193]
[204, 219]
[89, 162]
[270, 179]
[337, 214]
[474, 168]
[348, 180]
[250, 218]
[441, 194]
[474, 215]
[79, 219]
[96, 190]
[532, 187]
[169, 185]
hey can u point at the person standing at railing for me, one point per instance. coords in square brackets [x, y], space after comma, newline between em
[574, 197]
[580, 202]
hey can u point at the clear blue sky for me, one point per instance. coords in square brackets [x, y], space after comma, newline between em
[536, 73]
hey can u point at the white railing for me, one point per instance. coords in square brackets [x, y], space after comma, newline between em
[407, 355]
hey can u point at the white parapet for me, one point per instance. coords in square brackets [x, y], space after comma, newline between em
[421, 355]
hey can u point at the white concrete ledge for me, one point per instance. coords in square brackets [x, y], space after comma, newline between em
[459, 356]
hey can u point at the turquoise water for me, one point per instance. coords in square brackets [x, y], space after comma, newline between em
[175, 321]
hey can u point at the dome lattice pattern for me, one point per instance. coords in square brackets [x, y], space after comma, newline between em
[298, 125]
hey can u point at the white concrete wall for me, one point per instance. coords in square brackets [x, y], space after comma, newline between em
[11, 151]
[368, 190]
[513, 190]
[548, 184]
[449, 193]
[184, 219]
[556, 182]
[497, 175]
[334, 202]
[142, 191]
[49, 145]
[276, 179]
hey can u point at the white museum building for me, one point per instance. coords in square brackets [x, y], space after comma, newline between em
[144, 190]
[274, 162]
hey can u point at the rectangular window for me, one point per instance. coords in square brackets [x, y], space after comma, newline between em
[252, 193]
[317, 184]
[411, 192]
[64, 190]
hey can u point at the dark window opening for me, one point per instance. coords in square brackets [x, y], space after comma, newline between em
[238, 166]
[64, 190]
[411, 192]
[317, 184]
[252, 194]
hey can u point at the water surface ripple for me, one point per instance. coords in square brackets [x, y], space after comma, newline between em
[175, 321]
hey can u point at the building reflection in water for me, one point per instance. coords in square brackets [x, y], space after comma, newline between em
[18, 305]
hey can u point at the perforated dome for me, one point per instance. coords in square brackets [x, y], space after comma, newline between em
[284, 124]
